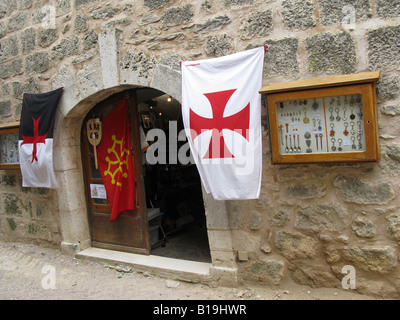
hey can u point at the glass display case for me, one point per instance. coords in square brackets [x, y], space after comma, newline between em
[9, 156]
[324, 124]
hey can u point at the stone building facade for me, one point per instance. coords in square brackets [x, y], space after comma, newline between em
[310, 220]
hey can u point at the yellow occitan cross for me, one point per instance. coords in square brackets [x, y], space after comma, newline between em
[121, 159]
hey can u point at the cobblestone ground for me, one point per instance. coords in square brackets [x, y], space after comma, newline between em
[30, 272]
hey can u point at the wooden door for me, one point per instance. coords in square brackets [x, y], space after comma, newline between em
[129, 231]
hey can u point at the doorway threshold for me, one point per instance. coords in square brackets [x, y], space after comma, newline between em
[185, 270]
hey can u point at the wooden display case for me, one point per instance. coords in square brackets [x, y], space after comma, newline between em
[9, 157]
[321, 120]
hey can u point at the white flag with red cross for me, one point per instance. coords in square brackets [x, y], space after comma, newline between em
[221, 110]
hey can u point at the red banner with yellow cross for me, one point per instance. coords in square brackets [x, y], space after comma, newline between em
[115, 160]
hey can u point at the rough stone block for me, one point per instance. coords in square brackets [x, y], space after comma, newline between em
[37, 63]
[12, 205]
[25, 4]
[9, 48]
[46, 37]
[18, 21]
[30, 86]
[393, 225]
[339, 11]
[280, 218]
[11, 69]
[356, 191]
[390, 158]
[257, 24]
[255, 220]
[391, 110]
[388, 8]
[384, 46]
[8, 180]
[7, 6]
[270, 271]
[177, 16]
[314, 276]
[211, 24]
[149, 19]
[321, 217]
[281, 58]
[90, 40]
[219, 45]
[363, 227]
[28, 40]
[155, 4]
[105, 13]
[81, 24]
[331, 53]
[302, 191]
[79, 3]
[173, 61]
[298, 14]
[137, 68]
[3, 29]
[294, 245]
[237, 3]
[67, 47]
[388, 88]
[382, 259]
[5, 108]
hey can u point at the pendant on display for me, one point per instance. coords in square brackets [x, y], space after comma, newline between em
[353, 139]
[359, 127]
[281, 132]
[298, 143]
[305, 120]
[344, 114]
[332, 132]
[287, 148]
[337, 117]
[352, 116]
[320, 137]
[333, 148]
[340, 144]
[352, 128]
[331, 111]
[315, 104]
[345, 132]
[360, 114]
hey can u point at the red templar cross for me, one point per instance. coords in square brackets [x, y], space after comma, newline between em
[238, 121]
[35, 139]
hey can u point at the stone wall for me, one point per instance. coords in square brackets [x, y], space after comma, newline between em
[310, 220]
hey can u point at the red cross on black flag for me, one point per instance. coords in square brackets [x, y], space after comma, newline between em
[36, 139]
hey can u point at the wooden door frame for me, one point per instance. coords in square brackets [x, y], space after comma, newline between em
[141, 207]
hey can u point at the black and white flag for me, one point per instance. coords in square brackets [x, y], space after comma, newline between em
[35, 143]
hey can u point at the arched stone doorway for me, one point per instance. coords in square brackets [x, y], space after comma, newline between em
[83, 90]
